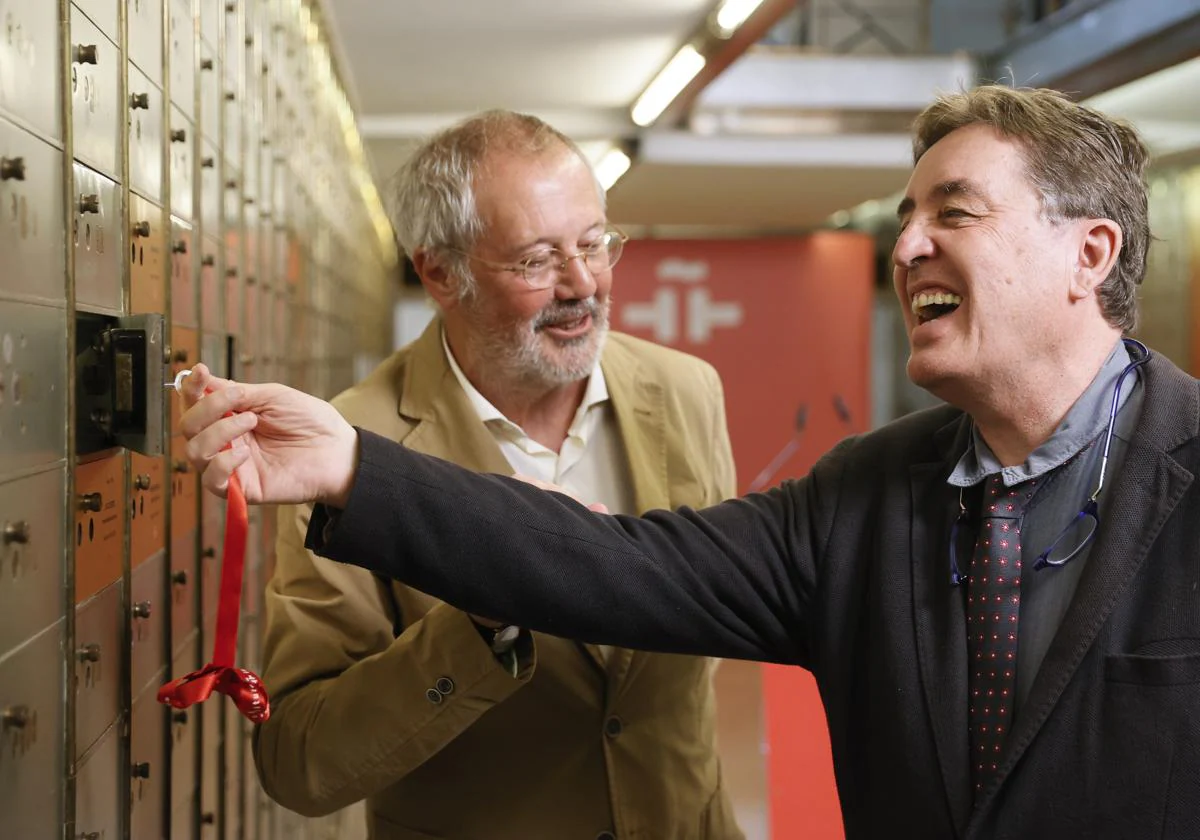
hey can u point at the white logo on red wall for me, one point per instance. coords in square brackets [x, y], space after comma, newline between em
[699, 313]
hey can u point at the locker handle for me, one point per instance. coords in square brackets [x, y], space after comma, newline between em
[179, 578]
[12, 169]
[141, 770]
[89, 653]
[180, 355]
[206, 64]
[15, 717]
[178, 135]
[179, 247]
[85, 54]
[91, 501]
[179, 716]
[181, 467]
[16, 532]
[141, 229]
[139, 100]
[141, 609]
[142, 481]
[89, 203]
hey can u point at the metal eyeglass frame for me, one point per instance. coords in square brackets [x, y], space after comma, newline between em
[521, 267]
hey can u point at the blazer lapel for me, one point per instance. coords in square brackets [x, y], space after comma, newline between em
[445, 423]
[940, 618]
[638, 404]
[1149, 487]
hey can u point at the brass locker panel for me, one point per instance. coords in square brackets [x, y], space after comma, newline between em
[184, 490]
[185, 728]
[182, 133]
[99, 524]
[147, 275]
[148, 617]
[99, 241]
[212, 290]
[185, 352]
[209, 80]
[97, 656]
[210, 187]
[147, 508]
[32, 376]
[145, 21]
[97, 790]
[148, 765]
[182, 56]
[95, 96]
[183, 286]
[103, 13]
[31, 738]
[31, 577]
[210, 769]
[29, 75]
[144, 107]
[183, 597]
[32, 262]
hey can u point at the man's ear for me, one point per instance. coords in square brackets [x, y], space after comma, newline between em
[435, 276]
[1099, 248]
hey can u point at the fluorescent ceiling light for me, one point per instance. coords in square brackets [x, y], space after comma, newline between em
[667, 84]
[611, 167]
[733, 13]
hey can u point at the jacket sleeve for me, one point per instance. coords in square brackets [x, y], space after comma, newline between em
[352, 709]
[735, 580]
[724, 470]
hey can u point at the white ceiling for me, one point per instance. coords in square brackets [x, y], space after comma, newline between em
[414, 66]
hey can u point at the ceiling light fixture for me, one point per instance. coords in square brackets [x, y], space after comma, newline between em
[612, 166]
[732, 14]
[667, 85]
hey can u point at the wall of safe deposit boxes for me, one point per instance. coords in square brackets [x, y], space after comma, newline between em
[194, 158]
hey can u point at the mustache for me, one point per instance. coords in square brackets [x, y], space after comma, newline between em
[568, 310]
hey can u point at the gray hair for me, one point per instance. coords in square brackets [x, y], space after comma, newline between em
[1084, 164]
[431, 199]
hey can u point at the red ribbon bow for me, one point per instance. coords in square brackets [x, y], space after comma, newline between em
[243, 687]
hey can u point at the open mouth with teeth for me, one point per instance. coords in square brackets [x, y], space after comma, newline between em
[929, 307]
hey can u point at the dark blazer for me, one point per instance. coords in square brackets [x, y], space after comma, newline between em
[844, 572]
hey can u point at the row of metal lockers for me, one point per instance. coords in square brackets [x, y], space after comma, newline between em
[180, 180]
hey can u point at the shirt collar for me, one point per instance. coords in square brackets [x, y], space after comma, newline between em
[595, 394]
[1084, 422]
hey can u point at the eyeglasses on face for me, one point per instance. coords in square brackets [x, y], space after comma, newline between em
[543, 268]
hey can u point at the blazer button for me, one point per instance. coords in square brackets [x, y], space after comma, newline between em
[433, 696]
[606, 835]
[613, 727]
[445, 685]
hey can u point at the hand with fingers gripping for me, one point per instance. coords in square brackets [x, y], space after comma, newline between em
[285, 445]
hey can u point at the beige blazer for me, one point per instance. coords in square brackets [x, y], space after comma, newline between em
[381, 692]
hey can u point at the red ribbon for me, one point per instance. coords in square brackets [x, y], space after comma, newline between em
[243, 687]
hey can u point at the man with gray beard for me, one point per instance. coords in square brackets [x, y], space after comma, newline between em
[448, 724]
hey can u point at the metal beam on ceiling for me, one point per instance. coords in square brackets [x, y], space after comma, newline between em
[1087, 48]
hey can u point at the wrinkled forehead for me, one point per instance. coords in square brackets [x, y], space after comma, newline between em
[974, 162]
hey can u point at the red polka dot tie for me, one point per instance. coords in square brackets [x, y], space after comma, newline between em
[993, 606]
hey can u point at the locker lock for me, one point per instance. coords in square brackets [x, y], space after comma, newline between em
[208, 260]
[206, 64]
[12, 169]
[142, 481]
[179, 716]
[179, 247]
[120, 370]
[141, 229]
[181, 467]
[139, 100]
[180, 355]
[178, 135]
[206, 163]
[141, 770]
[208, 818]
[84, 54]
[141, 609]
[91, 501]
[179, 577]
[16, 532]
[89, 203]
[89, 653]
[15, 717]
